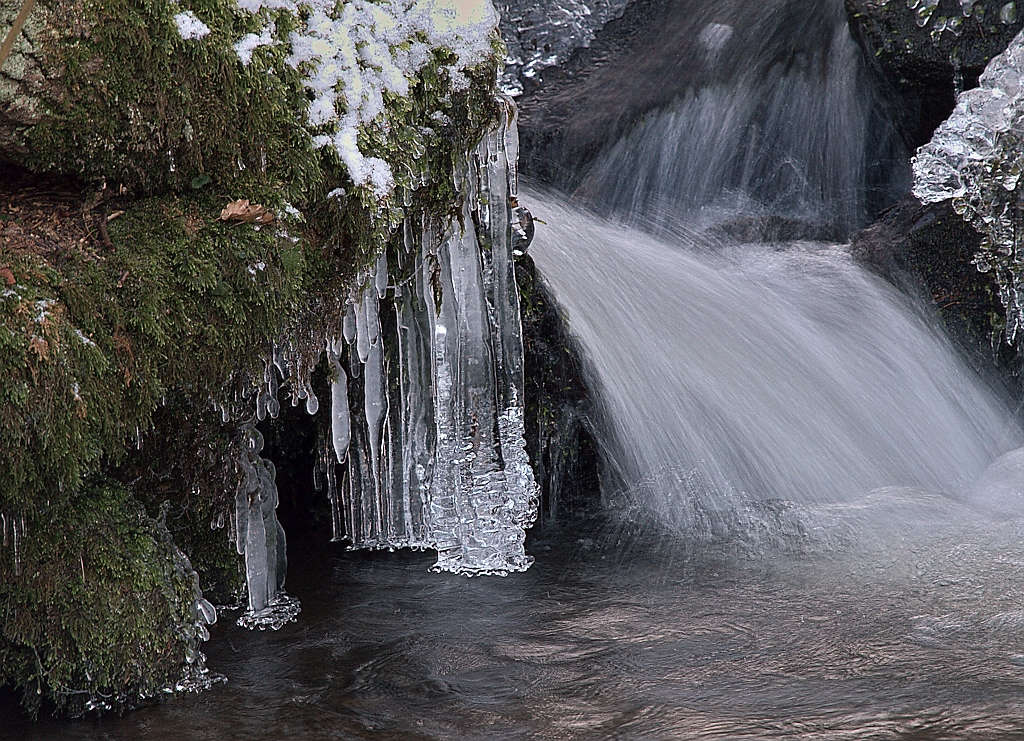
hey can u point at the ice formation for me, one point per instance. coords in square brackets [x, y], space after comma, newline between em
[434, 455]
[425, 443]
[975, 158]
[260, 538]
[543, 33]
[355, 53]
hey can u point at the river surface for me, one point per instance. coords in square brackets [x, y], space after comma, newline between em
[914, 630]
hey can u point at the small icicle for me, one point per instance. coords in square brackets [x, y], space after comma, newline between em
[511, 147]
[312, 403]
[362, 334]
[374, 405]
[408, 239]
[381, 278]
[372, 320]
[341, 429]
[348, 324]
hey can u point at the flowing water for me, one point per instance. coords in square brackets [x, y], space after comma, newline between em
[808, 530]
[920, 640]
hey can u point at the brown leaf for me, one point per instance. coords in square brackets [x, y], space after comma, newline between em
[7, 275]
[40, 347]
[242, 210]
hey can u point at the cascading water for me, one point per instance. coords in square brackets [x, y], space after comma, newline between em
[781, 118]
[732, 373]
[760, 372]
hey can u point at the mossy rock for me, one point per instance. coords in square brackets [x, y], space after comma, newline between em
[128, 307]
[100, 606]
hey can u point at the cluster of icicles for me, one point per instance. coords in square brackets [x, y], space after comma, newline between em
[13, 527]
[426, 445]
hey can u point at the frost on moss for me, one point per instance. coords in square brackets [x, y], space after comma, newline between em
[975, 159]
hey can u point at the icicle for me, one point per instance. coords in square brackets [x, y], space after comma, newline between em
[362, 334]
[372, 320]
[261, 539]
[348, 327]
[312, 403]
[256, 576]
[511, 146]
[374, 405]
[381, 276]
[436, 456]
[341, 430]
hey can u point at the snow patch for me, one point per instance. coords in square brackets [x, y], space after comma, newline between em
[189, 26]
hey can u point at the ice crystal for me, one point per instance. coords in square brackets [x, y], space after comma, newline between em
[975, 159]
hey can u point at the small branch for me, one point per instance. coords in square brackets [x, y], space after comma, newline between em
[104, 234]
[5, 50]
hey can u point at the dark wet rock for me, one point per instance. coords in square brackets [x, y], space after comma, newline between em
[644, 60]
[924, 64]
[558, 401]
[930, 249]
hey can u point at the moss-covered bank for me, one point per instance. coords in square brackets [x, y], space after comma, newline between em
[129, 308]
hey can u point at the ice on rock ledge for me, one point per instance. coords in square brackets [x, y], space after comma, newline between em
[435, 455]
[975, 158]
[425, 444]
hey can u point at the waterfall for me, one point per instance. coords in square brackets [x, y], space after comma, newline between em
[780, 118]
[732, 371]
[753, 371]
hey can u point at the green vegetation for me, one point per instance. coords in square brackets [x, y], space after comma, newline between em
[119, 335]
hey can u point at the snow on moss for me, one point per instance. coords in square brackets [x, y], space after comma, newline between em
[189, 26]
[355, 53]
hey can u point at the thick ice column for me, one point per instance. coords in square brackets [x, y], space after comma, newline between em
[497, 159]
[483, 495]
[260, 538]
[437, 456]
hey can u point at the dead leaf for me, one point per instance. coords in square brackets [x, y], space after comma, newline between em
[242, 210]
[7, 275]
[40, 347]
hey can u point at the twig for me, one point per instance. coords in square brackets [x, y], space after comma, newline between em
[5, 50]
[104, 234]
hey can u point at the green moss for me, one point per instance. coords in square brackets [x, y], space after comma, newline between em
[115, 349]
[92, 342]
[140, 106]
[103, 606]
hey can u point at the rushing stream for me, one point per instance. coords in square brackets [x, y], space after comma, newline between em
[808, 529]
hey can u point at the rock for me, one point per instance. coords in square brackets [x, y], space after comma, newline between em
[928, 53]
[930, 249]
[558, 400]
